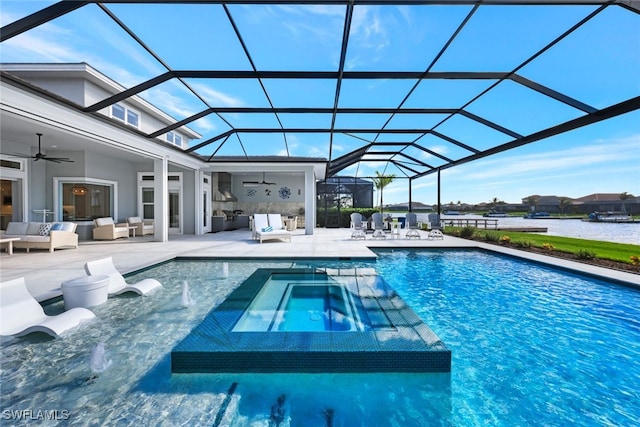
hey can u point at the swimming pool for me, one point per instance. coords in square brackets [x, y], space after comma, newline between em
[530, 346]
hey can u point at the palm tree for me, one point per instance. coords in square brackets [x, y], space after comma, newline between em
[624, 197]
[532, 201]
[564, 203]
[494, 203]
[381, 181]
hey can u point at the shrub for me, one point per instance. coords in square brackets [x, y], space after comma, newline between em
[467, 232]
[505, 240]
[491, 237]
[585, 254]
[523, 243]
[548, 246]
[635, 260]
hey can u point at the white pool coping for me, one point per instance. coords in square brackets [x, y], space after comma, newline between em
[44, 271]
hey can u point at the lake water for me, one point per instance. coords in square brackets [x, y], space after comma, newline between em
[620, 233]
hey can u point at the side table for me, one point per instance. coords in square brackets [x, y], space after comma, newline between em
[87, 291]
[9, 241]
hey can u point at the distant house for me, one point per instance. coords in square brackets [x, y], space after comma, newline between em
[607, 202]
[597, 202]
[551, 204]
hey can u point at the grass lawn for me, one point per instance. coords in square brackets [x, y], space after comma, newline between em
[582, 248]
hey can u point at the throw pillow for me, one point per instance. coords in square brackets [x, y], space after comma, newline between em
[56, 227]
[269, 228]
[44, 229]
[68, 226]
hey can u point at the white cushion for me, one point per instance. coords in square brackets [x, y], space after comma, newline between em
[68, 226]
[134, 219]
[30, 238]
[104, 221]
[275, 221]
[16, 228]
[34, 228]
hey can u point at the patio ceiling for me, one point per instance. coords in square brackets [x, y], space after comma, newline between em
[403, 87]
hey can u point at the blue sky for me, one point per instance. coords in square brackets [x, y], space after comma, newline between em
[598, 65]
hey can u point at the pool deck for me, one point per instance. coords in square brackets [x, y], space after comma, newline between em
[44, 272]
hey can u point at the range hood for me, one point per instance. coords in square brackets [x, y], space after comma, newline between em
[223, 192]
[224, 196]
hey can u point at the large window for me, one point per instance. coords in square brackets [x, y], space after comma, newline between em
[86, 200]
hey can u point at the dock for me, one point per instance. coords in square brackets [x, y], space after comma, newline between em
[489, 224]
[524, 229]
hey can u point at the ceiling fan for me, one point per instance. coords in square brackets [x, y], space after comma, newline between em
[256, 183]
[40, 156]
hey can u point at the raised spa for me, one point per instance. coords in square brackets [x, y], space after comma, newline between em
[312, 320]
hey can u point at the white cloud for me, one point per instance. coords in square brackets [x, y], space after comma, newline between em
[601, 152]
[216, 97]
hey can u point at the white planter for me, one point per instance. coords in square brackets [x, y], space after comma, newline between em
[87, 291]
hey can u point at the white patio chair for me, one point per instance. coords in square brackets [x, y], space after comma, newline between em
[357, 226]
[21, 314]
[117, 284]
[378, 226]
[411, 224]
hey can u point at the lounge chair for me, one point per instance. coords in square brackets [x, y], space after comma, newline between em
[435, 234]
[411, 224]
[357, 226]
[270, 226]
[21, 314]
[434, 221]
[117, 284]
[378, 226]
[143, 227]
[107, 229]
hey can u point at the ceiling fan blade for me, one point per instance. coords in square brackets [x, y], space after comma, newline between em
[58, 159]
[264, 182]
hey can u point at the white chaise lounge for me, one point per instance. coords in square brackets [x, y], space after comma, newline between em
[270, 226]
[117, 284]
[21, 314]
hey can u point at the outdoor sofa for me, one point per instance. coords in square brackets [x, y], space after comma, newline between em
[42, 235]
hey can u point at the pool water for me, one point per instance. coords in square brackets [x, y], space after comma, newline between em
[530, 346]
[315, 308]
[299, 304]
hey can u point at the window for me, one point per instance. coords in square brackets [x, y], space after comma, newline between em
[85, 201]
[174, 138]
[11, 164]
[147, 203]
[123, 113]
